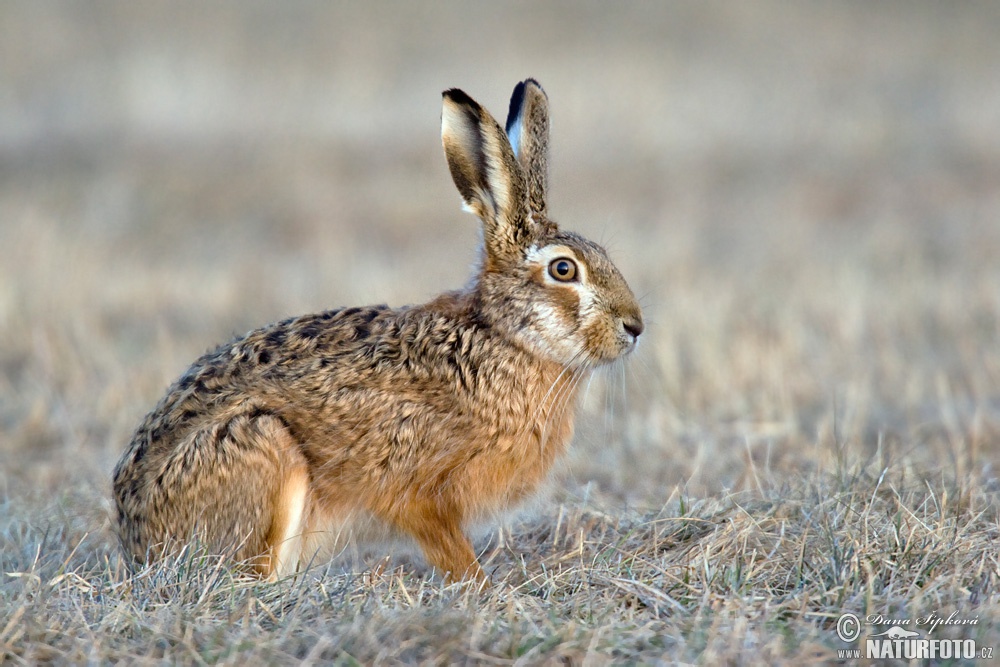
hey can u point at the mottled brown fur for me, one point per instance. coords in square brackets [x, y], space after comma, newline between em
[377, 423]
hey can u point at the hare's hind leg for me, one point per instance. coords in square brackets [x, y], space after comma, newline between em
[285, 540]
[284, 483]
[239, 489]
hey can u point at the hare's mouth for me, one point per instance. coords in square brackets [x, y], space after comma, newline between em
[623, 346]
[631, 342]
[626, 340]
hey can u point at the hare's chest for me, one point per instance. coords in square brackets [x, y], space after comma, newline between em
[515, 468]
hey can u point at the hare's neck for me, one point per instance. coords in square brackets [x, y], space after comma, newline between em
[557, 388]
[554, 398]
[513, 388]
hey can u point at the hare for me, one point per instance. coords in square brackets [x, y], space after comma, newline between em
[364, 425]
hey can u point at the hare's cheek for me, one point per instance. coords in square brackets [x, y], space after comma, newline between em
[566, 306]
[554, 332]
[554, 326]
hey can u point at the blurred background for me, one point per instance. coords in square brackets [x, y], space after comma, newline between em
[805, 195]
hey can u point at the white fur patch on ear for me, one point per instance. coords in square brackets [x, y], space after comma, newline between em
[514, 135]
[497, 177]
[455, 128]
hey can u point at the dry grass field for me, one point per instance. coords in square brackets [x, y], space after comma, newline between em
[805, 195]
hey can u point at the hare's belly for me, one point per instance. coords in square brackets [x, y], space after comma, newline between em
[328, 536]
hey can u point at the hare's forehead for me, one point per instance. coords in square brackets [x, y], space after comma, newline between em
[543, 254]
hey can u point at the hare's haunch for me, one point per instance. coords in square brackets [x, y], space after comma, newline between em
[377, 423]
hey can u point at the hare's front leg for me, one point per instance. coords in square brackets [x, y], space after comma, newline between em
[438, 531]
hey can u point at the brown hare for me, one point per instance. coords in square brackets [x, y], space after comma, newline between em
[362, 425]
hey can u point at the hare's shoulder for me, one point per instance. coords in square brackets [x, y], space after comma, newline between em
[450, 328]
[375, 337]
[306, 336]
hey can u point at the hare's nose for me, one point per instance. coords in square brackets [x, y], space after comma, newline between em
[633, 326]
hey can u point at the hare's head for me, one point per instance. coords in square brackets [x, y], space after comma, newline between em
[556, 292]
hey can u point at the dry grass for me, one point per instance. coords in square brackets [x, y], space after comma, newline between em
[806, 195]
[749, 577]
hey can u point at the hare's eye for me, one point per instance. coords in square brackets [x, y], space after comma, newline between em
[562, 269]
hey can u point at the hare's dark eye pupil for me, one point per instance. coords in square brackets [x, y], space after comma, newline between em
[562, 269]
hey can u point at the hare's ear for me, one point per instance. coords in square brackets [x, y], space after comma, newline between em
[487, 174]
[528, 131]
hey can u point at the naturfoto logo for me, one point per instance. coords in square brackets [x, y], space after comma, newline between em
[900, 639]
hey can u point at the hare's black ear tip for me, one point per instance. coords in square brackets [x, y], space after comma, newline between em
[458, 96]
[521, 89]
[516, 102]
